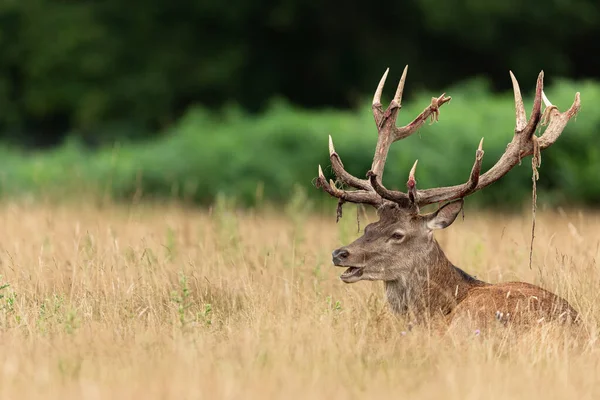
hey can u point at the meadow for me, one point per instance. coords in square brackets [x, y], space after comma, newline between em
[164, 301]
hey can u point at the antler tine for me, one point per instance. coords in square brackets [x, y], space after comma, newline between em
[575, 107]
[377, 110]
[557, 122]
[471, 185]
[521, 116]
[546, 100]
[432, 111]
[411, 184]
[400, 89]
[379, 90]
[536, 113]
[340, 172]
[520, 146]
[354, 196]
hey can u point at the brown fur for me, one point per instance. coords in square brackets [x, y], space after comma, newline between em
[423, 284]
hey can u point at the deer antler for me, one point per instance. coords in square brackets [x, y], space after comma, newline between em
[388, 133]
[523, 144]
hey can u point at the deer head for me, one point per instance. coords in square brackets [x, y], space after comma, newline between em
[394, 246]
[402, 239]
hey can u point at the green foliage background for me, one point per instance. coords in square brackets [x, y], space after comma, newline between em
[266, 157]
[106, 70]
[159, 98]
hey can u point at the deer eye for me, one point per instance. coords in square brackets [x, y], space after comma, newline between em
[397, 236]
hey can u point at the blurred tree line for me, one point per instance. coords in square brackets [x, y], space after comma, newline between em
[109, 69]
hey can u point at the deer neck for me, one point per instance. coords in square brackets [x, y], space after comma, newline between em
[433, 286]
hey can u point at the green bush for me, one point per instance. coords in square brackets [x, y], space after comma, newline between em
[254, 157]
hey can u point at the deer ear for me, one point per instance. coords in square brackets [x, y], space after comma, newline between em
[445, 216]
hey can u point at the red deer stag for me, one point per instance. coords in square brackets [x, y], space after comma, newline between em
[400, 248]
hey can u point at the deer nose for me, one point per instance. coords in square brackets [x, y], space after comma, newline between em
[339, 255]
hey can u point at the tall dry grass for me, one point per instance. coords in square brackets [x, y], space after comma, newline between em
[164, 302]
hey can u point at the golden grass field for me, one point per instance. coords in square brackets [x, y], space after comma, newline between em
[164, 302]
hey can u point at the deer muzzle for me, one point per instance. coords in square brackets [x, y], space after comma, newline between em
[340, 259]
[339, 256]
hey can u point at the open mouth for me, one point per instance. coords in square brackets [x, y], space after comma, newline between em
[352, 274]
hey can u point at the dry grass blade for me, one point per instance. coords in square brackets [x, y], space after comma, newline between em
[162, 302]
